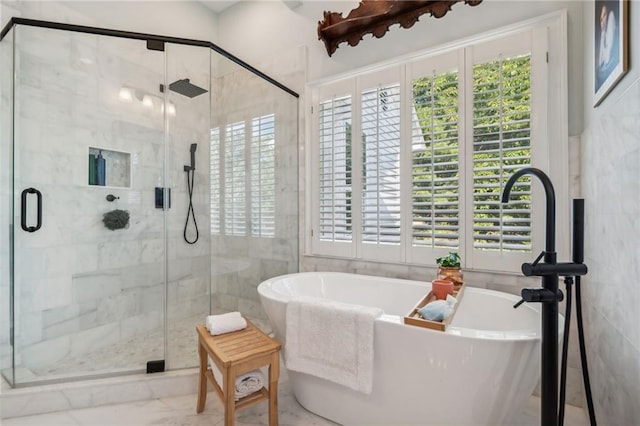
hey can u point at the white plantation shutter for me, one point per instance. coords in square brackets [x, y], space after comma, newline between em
[416, 165]
[380, 108]
[263, 176]
[234, 179]
[435, 161]
[242, 169]
[335, 174]
[215, 187]
[501, 145]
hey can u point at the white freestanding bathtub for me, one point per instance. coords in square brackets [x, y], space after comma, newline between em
[481, 371]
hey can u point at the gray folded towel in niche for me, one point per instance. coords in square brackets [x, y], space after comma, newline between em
[116, 219]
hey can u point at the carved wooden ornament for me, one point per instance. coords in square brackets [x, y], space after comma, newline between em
[375, 17]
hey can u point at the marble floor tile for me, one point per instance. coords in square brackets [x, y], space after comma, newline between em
[181, 411]
[530, 416]
[63, 418]
[137, 413]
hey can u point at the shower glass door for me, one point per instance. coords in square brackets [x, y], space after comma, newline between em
[188, 227]
[6, 216]
[89, 225]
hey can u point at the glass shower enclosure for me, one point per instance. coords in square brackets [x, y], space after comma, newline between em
[146, 182]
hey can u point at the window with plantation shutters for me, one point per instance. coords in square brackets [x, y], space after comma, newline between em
[380, 108]
[263, 176]
[215, 187]
[408, 161]
[243, 178]
[435, 161]
[334, 169]
[234, 180]
[501, 146]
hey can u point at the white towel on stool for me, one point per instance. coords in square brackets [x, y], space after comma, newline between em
[246, 384]
[225, 323]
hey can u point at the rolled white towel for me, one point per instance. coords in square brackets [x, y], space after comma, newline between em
[248, 383]
[245, 384]
[225, 323]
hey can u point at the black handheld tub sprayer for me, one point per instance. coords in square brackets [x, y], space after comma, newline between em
[191, 171]
[549, 295]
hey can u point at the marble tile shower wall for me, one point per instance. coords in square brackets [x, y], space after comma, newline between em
[611, 184]
[239, 263]
[80, 286]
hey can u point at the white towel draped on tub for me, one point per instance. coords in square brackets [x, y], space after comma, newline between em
[225, 323]
[331, 340]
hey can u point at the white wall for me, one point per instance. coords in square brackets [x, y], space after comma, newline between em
[256, 31]
[170, 18]
[610, 149]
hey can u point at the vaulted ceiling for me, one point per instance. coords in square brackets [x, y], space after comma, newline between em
[219, 6]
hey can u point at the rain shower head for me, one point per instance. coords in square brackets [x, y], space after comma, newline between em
[186, 88]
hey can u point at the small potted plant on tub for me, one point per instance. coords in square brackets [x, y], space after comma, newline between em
[449, 268]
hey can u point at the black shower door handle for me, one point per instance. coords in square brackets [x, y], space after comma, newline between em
[23, 210]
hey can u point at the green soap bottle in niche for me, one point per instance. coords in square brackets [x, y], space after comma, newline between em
[101, 166]
[93, 170]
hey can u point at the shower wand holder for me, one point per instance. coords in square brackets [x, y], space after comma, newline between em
[192, 152]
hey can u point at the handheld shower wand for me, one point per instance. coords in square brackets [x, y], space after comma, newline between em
[192, 150]
[190, 170]
[193, 155]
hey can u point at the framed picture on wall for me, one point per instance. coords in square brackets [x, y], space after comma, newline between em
[611, 41]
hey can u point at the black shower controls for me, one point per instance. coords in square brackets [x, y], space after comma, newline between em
[160, 197]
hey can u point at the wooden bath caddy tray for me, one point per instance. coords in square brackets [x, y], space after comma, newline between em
[414, 318]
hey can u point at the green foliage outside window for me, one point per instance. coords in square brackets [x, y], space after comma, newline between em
[435, 166]
[501, 145]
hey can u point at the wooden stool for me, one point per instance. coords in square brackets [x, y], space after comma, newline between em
[234, 354]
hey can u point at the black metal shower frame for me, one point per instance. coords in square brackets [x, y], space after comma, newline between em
[149, 38]
[154, 42]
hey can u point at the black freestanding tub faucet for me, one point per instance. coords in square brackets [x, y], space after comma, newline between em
[549, 295]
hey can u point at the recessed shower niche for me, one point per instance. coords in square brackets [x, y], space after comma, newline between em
[109, 168]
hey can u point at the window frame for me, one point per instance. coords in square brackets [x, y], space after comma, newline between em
[548, 35]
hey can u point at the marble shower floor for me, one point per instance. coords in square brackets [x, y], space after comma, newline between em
[129, 355]
[181, 411]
